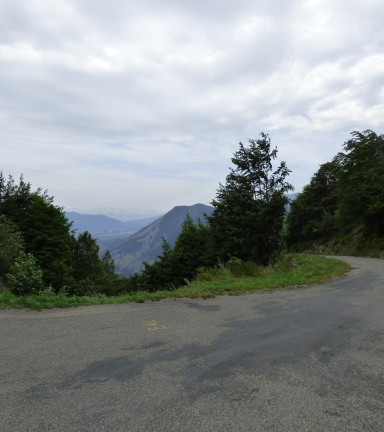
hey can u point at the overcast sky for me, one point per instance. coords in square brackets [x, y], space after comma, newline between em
[141, 103]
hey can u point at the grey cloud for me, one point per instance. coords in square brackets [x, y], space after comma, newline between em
[165, 90]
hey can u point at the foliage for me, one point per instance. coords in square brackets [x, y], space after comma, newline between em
[250, 208]
[47, 234]
[312, 213]
[344, 195]
[108, 263]
[302, 270]
[94, 276]
[15, 199]
[11, 242]
[99, 284]
[31, 218]
[44, 227]
[361, 177]
[245, 269]
[86, 257]
[192, 250]
[25, 277]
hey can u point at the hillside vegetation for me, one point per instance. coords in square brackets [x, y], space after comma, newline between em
[235, 247]
[40, 253]
[341, 210]
[234, 279]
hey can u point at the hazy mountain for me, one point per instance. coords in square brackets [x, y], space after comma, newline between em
[146, 243]
[109, 232]
[120, 214]
[136, 225]
[94, 223]
[111, 239]
[291, 196]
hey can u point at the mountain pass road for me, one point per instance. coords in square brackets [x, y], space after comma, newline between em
[301, 359]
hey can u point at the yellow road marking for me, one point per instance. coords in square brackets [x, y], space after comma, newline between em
[152, 325]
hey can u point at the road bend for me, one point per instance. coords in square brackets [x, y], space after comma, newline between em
[301, 359]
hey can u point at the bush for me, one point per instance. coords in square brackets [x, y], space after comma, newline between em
[212, 274]
[241, 268]
[234, 268]
[26, 277]
[105, 284]
[11, 242]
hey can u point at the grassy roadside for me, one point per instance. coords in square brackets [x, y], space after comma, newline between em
[302, 270]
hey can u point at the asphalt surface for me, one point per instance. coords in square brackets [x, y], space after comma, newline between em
[304, 359]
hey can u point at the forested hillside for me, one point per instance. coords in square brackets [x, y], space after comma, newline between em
[341, 210]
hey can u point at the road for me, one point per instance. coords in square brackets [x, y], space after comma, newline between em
[304, 359]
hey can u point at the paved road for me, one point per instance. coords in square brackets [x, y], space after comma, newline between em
[306, 359]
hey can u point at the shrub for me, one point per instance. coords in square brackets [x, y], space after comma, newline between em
[26, 277]
[241, 268]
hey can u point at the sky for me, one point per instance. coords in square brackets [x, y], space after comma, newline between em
[142, 103]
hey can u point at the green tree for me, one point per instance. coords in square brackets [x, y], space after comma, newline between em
[15, 199]
[44, 227]
[361, 181]
[108, 263]
[311, 214]
[192, 250]
[250, 208]
[86, 254]
[11, 242]
[94, 276]
[47, 234]
[63, 259]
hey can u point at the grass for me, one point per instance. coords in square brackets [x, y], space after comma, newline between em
[294, 270]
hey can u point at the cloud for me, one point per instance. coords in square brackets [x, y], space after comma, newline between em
[148, 100]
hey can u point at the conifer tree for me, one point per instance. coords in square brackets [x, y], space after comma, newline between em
[250, 207]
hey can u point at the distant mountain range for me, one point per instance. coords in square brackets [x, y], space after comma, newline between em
[291, 196]
[108, 231]
[146, 243]
[121, 214]
[101, 223]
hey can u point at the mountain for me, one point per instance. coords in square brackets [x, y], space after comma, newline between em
[109, 232]
[136, 225]
[146, 243]
[99, 223]
[94, 223]
[291, 196]
[121, 214]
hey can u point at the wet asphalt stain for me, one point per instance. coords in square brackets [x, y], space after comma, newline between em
[152, 345]
[315, 326]
[282, 332]
[206, 308]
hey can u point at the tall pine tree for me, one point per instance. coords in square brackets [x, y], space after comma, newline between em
[250, 207]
